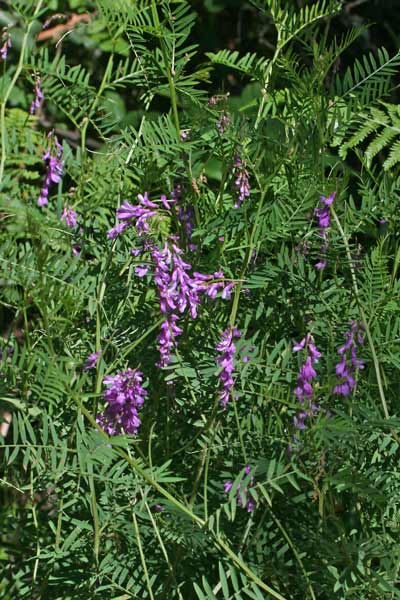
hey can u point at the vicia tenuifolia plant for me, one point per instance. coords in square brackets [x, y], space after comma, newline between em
[199, 304]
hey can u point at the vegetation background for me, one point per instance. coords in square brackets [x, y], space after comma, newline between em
[150, 96]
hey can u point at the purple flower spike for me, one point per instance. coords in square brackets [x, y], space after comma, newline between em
[304, 390]
[324, 220]
[115, 231]
[227, 347]
[6, 39]
[249, 503]
[242, 183]
[91, 360]
[55, 164]
[69, 216]
[124, 396]
[141, 270]
[166, 339]
[38, 99]
[228, 486]
[346, 368]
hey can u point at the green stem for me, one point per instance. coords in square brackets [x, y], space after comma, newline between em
[362, 314]
[3, 131]
[142, 557]
[86, 120]
[171, 85]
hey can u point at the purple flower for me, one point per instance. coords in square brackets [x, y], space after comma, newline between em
[39, 97]
[141, 270]
[242, 183]
[167, 203]
[249, 504]
[69, 216]
[115, 231]
[324, 220]
[166, 339]
[228, 486]
[179, 289]
[6, 39]
[91, 360]
[53, 158]
[186, 217]
[223, 123]
[304, 390]
[124, 396]
[346, 367]
[227, 349]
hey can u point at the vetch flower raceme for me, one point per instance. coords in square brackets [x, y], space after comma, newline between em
[304, 391]
[69, 216]
[91, 360]
[39, 97]
[349, 363]
[226, 361]
[242, 183]
[166, 339]
[6, 43]
[179, 289]
[223, 123]
[124, 396]
[242, 493]
[55, 163]
[323, 214]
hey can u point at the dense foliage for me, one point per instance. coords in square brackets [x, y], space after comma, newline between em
[199, 271]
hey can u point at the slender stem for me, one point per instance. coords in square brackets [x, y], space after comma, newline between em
[86, 120]
[362, 314]
[246, 260]
[296, 554]
[95, 512]
[171, 85]
[3, 132]
[142, 557]
[163, 550]
[239, 430]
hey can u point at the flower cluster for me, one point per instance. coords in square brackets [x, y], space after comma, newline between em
[248, 504]
[124, 396]
[242, 183]
[179, 289]
[69, 216]
[53, 158]
[226, 361]
[223, 123]
[304, 390]
[138, 214]
[91, 360]
[6, 43]
[324, 220]
[346, 368]
[186, 217]
[38, 99]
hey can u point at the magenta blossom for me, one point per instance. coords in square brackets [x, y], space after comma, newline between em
[91, 360]
[124, 396]
[39, 97]
[323, 214]
[227, 349]
[349, 363]
[304, 391]
[242, 183]
[69, 216]
[6, 43]
[248, 504]
[55, 163]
